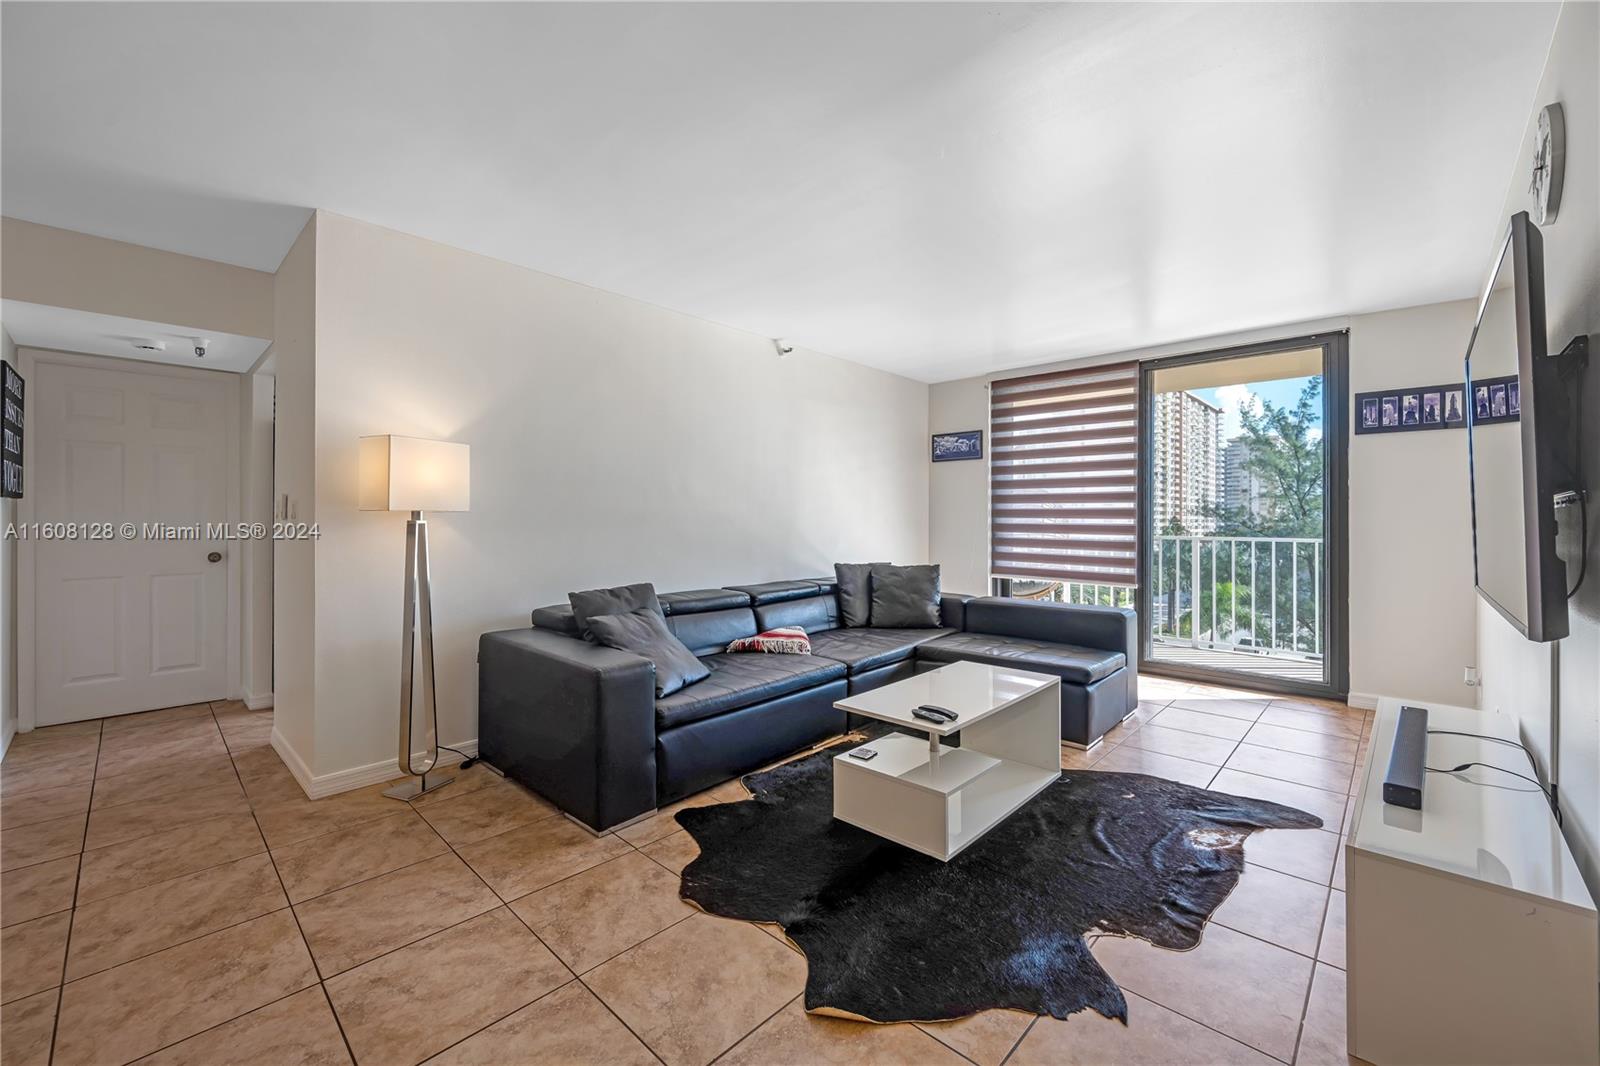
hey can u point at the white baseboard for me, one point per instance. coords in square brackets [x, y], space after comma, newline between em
[1365, 701]
[258, 703]
[291, 759]
[320, 786]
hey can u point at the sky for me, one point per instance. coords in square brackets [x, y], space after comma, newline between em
[1282, 393]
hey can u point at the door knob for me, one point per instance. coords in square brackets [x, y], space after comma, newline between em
[213, 557]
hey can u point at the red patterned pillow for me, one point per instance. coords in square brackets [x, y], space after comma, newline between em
[790, 640]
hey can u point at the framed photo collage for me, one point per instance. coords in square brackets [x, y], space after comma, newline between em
[1438, 406]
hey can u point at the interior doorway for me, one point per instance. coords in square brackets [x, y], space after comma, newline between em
[1242, 527]
[131, 593]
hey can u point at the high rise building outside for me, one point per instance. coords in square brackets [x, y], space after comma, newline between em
[1242, 488]
[1186, 448]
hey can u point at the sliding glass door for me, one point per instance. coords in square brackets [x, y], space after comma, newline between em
[1242, 516]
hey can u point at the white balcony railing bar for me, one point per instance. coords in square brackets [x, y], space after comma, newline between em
[1256, 594]
[1079, 592]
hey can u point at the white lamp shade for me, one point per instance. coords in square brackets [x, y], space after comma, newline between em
[414, 474]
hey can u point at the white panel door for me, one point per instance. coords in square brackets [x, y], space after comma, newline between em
[127, 623]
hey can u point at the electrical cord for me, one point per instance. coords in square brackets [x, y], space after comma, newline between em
[1502, 769]
[1491, 766]
[1485, 736]
[466, 760]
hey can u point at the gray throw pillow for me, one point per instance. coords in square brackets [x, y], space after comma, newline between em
[905, 597]
[855, 592]
[644, 632]
[620, 600]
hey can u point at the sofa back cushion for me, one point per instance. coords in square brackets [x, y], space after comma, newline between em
[813, 614]
[557, 616]
[1107, 628]
[777, 591]
[696, 601]
[712, 631]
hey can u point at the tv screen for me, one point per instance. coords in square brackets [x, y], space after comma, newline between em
[1508, 378]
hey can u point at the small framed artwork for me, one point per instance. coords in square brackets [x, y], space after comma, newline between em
[1369, 413]
[965, 444]
[1411, 409]
[1437, 406]
[1454, 412]
[11, 425]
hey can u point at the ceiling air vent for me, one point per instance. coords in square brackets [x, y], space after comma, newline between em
[150, 346]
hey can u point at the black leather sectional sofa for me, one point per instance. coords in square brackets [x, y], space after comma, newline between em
[580, 723]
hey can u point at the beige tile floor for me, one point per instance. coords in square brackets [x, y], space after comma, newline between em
[168, 894]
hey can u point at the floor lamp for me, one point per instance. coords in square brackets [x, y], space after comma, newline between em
[415, 475]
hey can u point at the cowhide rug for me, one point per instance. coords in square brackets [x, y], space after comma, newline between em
[893, 935]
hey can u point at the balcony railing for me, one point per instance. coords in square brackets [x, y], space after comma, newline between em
[1254, 594]
[1074, 592]
[1261, 595]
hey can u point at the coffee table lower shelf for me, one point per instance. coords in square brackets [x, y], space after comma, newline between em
[933, 804]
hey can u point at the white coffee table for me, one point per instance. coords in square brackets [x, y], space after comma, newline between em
[938, 799]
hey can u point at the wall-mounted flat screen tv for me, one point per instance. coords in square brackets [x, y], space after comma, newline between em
[1513, 464]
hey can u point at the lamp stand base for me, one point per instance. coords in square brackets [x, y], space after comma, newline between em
[407, 790]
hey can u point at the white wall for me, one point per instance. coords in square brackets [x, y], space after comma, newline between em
[293, 469]
[612, 441]
[255, 506]
[8, 595]
[958, 492]
[1516, 673]
[63, 268]
[1412, 631]
[1410, 527]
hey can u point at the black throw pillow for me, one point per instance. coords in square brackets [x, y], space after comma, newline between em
[905, 597]
[644, 632]
[620, 600]
[855, 592]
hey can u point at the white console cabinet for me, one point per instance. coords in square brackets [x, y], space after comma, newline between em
[1471, 937]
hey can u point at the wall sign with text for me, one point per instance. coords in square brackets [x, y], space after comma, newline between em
[11, 388]
[1438, 406]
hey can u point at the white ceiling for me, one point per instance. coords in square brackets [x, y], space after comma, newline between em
[935, 189]
[66, 329]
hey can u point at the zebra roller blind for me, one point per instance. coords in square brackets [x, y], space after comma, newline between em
[1064, 470]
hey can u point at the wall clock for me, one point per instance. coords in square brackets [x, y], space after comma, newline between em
[1549, 159]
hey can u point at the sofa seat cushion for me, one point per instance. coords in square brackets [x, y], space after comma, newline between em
[868, 648]
[741, 680]
[1070, 662]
